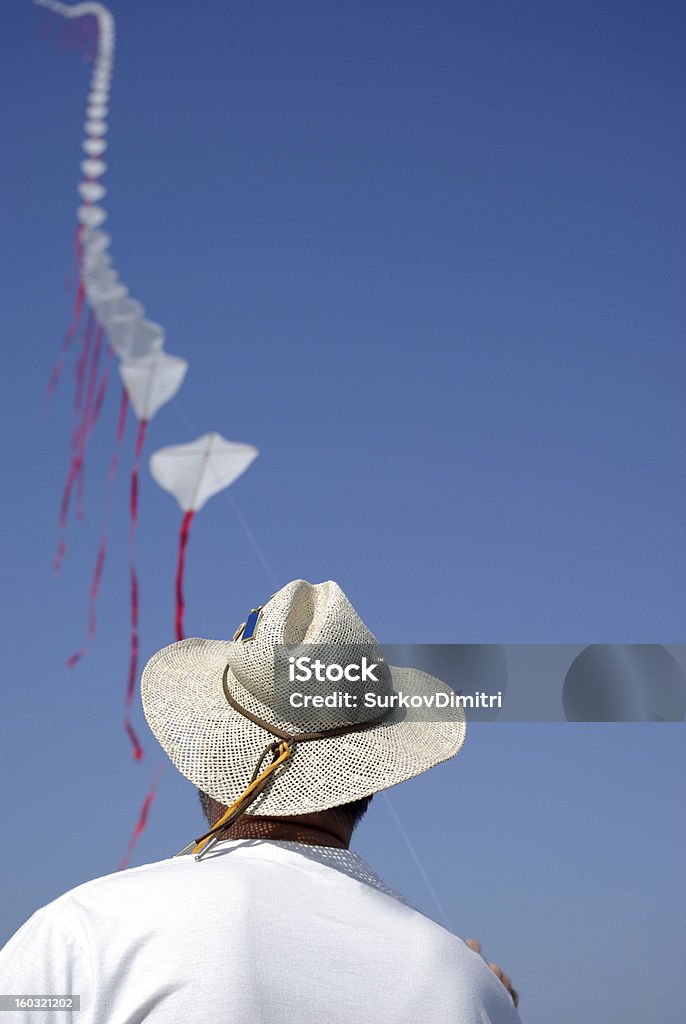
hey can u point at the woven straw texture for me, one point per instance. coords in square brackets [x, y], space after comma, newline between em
[216, 747]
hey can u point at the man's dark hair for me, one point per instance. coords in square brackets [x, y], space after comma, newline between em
[353, 812]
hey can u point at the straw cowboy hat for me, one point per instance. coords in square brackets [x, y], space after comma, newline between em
[212, 705]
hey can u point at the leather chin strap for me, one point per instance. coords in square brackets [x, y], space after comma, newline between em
[282, 749]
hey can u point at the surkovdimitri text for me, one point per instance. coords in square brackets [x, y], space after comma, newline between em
[342, 699]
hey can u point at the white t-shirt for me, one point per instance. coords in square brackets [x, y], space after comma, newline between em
[257, 932]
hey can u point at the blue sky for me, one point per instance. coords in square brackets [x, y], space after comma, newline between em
[429, 259]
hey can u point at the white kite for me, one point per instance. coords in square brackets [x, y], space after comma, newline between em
[194, 473]
[111, 312]
[150, 382]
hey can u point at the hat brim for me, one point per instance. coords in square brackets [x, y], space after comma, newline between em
[216, 747]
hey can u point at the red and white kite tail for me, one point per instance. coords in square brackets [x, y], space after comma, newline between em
[73, 276]
[135, 475]
[133, 584]
[100, 46]
[103, 44]
[69, 483]
[90, 353]
[94, 403]
[89, 216]
[92, 602]
[74, 320]
[183, 543]
[142, 820]
[80, 37]
[95, 396]
[99, 401]
[80, 372]
[104, 532]
[138, 751]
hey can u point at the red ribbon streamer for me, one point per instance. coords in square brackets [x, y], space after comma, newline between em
[183, 543]
[133, 576]
[100, 397]
[121, 422]
[92, 602]
[131, 733]
[142, 820]
[64, 512]
[87, 423]
[79, 441]
[75, 320]
[102, 549]
[140, 441]
[80, 372]
[95, 586]
[88, 420]
[133, 663]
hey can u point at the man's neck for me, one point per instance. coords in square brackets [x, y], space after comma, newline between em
[313, 829]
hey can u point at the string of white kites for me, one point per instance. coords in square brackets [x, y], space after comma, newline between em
[192, 473]
[110, 321]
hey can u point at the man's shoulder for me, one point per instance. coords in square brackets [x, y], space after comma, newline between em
[116, 889]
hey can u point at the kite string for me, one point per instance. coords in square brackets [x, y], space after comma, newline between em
[274, 579]
[415, 857]
[389, 803]
[252, 539]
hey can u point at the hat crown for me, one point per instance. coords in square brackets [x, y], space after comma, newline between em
[300, 612]
[216, 745]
